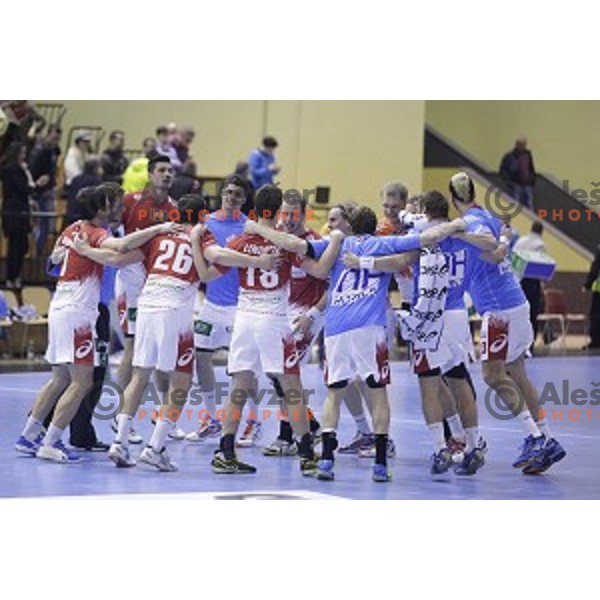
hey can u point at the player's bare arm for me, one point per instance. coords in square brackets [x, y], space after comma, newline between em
[139, 238]
[384, 264]
[287, 241]
[321, 268]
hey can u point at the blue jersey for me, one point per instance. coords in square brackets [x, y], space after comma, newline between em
[492, 287]
[357, 297]
[224, 290]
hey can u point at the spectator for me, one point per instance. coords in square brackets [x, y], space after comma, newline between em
[182, 140]
[164, 146]
[592, 283]
[113, 160]
[518, 171]
[532, 288]
[76, 155]
[17, 186]
[43, 160]
[185, 182]
[262, 163]
[135, 177]
[91, 176]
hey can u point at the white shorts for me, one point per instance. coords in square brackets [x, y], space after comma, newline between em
[455, 345]
[127, 293]
[213, 326]
[164, 340]
[360, 352]
[72, 336]
[304, 342]
[262, 344]
[506, 334]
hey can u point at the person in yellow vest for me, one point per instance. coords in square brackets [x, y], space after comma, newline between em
[592, 283]
[135, 177]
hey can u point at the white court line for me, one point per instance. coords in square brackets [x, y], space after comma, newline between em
[194, 496]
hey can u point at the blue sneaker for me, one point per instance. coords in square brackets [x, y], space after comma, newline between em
[531, 449]
[552, 453]
[471, 463]
[24, 446]
[381, 474]
[58, 452]
[441, 462]
[325, 472]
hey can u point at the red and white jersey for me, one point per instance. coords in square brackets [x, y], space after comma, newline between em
[140, 212]
[305, 290]
[172, 281]
[79, 279]
[264, 292]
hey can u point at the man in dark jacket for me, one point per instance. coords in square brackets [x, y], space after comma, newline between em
[91, 176]
[518, 171]
[114, 162]
[42, 161]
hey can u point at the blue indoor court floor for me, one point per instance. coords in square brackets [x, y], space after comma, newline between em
[576, 477]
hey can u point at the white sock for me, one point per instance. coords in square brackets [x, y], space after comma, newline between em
[123, 427]
[362, 424]
[32, 429]
[544, 427]
[529, 424]
[159, 435]
[456, 427]
[437, 435]
[52, 435]
[472, 438]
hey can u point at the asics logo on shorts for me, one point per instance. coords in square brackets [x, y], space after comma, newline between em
[292, 359]
[499, 344]
[419, 356]
[83, 350]
[186, 358]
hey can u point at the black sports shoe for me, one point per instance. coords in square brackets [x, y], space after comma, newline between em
[233, 466]
[97, 446]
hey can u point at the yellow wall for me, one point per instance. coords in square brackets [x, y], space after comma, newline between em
[566, 258]
[351, 146]
[563, 135]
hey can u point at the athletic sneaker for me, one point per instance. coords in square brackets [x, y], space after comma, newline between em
[207, 428]
[281, 447]
[440, 462]
[325, 470]
[26, 447]
[230, 467]
[120, 455]
[176, 434]
[471, 463]
[359, 441]
[381, 474]
[456, 447]
[160, 460]
[251, 434]
[482, 445]
[58, 452]
[531, 449]
[553, 452]
[132, 437]
[368, 451]
[309, 467]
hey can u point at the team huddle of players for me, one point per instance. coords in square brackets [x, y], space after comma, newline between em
[271, 286]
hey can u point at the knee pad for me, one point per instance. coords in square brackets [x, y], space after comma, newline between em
[457, 372]
[431, 373]
[370, 381]
[338, 385]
